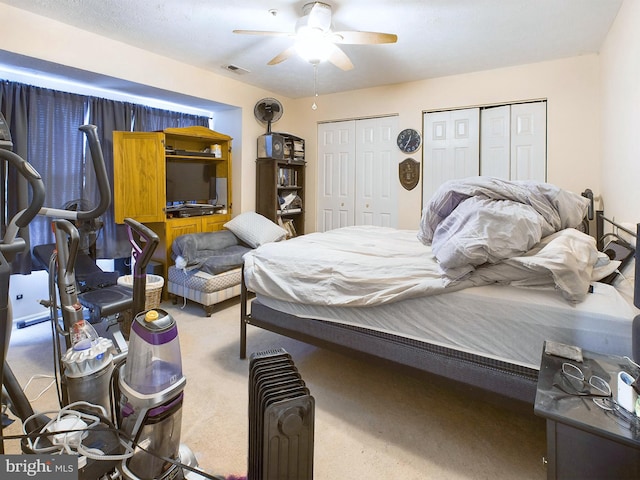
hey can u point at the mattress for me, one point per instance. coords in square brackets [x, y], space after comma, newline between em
[503, 323]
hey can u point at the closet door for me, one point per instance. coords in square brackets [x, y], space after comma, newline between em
[529, 141]
[336, 175]
[495, 141]
[451, 148]
[357, 173]
[514, 141]
[376, 200]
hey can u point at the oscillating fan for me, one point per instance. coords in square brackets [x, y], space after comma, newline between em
[316, 40]
[270, 145]
[268, 111]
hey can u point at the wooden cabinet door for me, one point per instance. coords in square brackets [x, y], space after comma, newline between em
[182, 226]
[175, 227]
[213, 223]
[139, 176]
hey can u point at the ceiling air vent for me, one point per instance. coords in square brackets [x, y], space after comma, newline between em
[235, 69]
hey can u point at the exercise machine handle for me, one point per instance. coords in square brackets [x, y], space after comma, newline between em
[67, 246]
[143, 247]
[91, 132]
[102, 178]
[22, 218]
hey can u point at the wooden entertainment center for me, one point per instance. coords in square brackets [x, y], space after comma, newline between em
[140, 181]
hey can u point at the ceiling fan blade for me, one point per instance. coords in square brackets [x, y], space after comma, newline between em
[353, 37]
[281, 57]
[261, 32]
[339, 58]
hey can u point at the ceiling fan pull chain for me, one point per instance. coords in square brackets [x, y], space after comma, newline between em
[315, 85]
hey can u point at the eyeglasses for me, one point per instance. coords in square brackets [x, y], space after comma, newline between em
[616, 412]
[574, 383]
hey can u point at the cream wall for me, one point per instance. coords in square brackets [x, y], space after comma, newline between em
[620, 66]
[571, 87]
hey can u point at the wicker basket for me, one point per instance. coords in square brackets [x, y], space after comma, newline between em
[153, 295]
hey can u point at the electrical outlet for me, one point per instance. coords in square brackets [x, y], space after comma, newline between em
[19, 296]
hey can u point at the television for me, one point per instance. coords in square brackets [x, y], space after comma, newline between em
[190, 182]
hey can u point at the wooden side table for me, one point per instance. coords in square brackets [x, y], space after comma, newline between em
[583, 441]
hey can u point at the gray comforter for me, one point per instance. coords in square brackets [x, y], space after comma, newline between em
[479, 220]
[211, 252]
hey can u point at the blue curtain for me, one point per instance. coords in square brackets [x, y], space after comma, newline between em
[148, 119]
[56, 151]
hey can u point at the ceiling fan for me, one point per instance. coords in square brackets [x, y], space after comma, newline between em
[316, 41]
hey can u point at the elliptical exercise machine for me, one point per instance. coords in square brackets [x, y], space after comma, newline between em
[85, 368]
[10, 246]
[136, 434]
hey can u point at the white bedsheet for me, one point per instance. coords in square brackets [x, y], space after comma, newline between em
[367, 265]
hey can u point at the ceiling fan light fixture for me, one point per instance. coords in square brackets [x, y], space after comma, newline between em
[315, 40]
[313, 45]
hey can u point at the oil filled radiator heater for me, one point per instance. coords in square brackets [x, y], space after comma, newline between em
[281, 419]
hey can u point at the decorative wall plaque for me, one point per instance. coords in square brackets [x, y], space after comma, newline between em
[409, 173]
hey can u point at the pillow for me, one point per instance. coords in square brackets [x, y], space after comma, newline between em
[255, 229]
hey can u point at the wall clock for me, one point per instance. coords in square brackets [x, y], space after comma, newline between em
[409, 140]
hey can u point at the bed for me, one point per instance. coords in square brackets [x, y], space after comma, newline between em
[482, 321]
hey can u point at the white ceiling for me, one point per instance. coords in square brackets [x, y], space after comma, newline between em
[435, 37]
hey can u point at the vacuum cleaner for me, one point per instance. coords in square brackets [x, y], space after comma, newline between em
[151, 389]
[150, 383]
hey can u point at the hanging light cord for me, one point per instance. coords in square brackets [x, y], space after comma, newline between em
[315, 85]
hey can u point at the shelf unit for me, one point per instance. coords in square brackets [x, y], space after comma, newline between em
[140, 166]
[283, 180]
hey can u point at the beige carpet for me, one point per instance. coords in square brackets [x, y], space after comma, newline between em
[371, 422]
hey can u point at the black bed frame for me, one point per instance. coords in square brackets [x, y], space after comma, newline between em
[496, 377]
